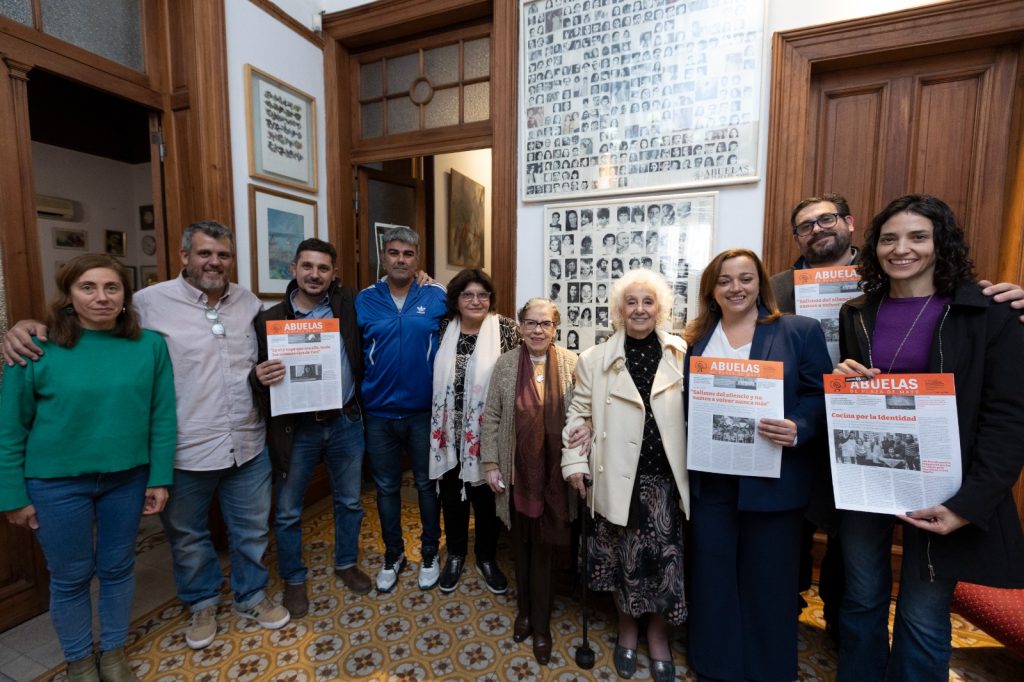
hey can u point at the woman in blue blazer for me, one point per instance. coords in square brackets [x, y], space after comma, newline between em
[746, 529]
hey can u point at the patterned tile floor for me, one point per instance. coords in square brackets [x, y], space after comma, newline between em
[411, 634]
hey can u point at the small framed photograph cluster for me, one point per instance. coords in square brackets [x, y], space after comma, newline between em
[591, 244]
[281, 124]
[278, 222]
[620, 97]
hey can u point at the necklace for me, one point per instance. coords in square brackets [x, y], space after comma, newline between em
[905, 336]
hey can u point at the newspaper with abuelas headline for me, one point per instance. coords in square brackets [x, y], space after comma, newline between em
[727, 399]
[820, 293]
[311, 353]
[894, 440]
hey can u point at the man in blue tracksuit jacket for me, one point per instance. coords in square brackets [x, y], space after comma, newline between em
[399, 321]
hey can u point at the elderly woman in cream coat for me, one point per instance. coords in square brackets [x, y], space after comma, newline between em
[521, 451]
[630, 390]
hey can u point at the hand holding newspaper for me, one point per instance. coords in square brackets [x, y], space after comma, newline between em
[894, 441]
[311, 352]
[727, 398]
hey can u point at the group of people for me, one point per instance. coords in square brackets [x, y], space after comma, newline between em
[167, 393]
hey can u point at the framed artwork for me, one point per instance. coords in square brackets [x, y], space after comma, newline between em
[148, 275]
[278, 222]
[623, 97]
[281, 124]
[72, 240]
[147, 219]
[465, 223]
[133, 276]
[591, 244]
[116, 243]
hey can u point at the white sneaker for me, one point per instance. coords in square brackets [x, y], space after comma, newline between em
[430, 571]
[268, 614]
[388, 576]
[203, 628]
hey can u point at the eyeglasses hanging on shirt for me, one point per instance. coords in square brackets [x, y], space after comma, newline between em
[213, 316]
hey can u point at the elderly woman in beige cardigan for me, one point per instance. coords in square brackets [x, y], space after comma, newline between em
[521, 449]
[630, 389]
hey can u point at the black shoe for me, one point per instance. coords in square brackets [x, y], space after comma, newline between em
[663, 671]
[493, 577]
[625, 661]
[451, 573]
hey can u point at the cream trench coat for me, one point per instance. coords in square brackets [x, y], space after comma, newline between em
[605, 395]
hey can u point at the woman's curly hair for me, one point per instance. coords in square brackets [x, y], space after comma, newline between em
[952, 264]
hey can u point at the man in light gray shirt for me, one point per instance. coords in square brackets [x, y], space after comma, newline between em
[207, 323]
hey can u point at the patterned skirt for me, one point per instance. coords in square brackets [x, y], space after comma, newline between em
[643, 566]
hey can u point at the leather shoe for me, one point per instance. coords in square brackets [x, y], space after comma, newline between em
[493, 577]
[625, 661]
[521, 629]
[542, 648]
[451, 573]
[355, 580]
[662, 671]
[295, 600]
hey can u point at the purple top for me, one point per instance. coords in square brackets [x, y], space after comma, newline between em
[903, 333]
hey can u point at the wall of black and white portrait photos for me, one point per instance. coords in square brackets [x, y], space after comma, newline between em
[623, 96]
[591, 244]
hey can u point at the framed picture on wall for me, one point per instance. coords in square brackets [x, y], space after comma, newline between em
[278, 222]
[72, 240]
[116, 243]
[591, 244]
[147, 218]
[281, 124]
[624, 97]
[148, 275]
[465, 222]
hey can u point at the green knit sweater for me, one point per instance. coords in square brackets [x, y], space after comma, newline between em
[104, 405]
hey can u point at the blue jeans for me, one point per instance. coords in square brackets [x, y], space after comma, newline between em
[69, 510]
[921, 632]
[384, 441]
[244, 496]
[340, 443]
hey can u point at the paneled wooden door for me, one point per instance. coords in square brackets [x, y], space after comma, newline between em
[937, 125]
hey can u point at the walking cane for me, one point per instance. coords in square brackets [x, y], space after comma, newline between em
[584, 654]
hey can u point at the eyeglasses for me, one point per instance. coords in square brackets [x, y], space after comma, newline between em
[824, 221]
[475, 296]
[213, 316]
[530, 325]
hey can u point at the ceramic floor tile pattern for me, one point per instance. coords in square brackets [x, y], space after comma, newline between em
[411, 634]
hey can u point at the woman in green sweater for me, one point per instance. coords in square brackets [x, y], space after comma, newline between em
[87, 438]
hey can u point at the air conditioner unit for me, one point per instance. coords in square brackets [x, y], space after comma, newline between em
[55, 208]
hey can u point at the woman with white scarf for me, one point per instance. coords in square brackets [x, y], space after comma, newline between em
[472, 338]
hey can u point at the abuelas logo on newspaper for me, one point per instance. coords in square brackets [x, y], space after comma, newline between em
[898, 384]
[304, 326]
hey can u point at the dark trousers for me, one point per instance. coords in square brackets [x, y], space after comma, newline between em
[745, 570]
[533, 574]
[456, 517]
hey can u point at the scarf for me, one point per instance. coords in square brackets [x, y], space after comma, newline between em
[445, 434]
[540, 493]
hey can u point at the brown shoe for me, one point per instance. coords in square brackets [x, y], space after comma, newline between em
[295, 600]
[542, 648]
[83, 670]
[521, 629]
[114, 667]
[355, 580]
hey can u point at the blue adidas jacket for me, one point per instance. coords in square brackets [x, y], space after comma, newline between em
[399, 347]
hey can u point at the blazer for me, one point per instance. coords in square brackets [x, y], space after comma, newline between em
[980, 343]
[498, 435]
[281, 429]
[799, 344]
[606, 395]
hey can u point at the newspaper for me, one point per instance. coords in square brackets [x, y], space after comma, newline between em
[820, 293]
[311, 353]
[894, 441]
[727, 399]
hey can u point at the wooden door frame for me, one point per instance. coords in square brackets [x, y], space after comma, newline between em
[797, 55]
[392, 20]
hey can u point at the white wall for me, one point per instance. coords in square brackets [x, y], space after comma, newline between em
[475, 165]
[109, 193]
[740, 207]
[255, 37]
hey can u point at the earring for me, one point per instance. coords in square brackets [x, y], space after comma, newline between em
[713, 306]
[69, 310]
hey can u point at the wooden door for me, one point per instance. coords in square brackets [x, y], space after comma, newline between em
[935, 125]
[384, 200]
